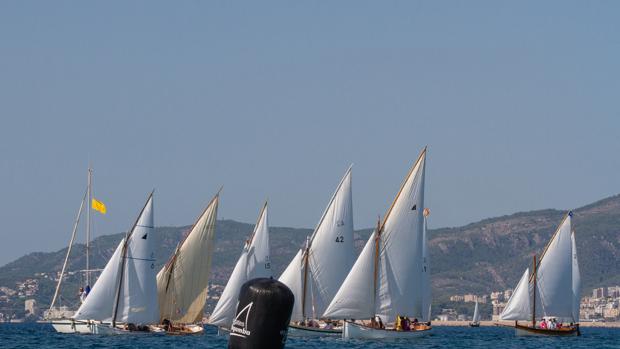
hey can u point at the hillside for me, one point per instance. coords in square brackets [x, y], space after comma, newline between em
[479, 257]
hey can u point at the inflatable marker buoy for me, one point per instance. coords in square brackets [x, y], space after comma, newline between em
[263, 313]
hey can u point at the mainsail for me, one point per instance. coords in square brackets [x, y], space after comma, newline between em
[557, 284]
[476, 317]
[126, 291]
[387, 278]
[318, 270]
[253, 263]
[182, 282]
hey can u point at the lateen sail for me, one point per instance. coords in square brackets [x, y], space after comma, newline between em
[555, 275]
[328, 256]
[182, 282]
[137, 297]
[253, 263]
[397, 285]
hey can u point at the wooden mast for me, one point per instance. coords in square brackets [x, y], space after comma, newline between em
[303, 293]
[376, 264]
[534, 295]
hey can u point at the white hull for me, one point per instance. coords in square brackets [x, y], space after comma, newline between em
[356, 331]
[70, 326]
[301, 331]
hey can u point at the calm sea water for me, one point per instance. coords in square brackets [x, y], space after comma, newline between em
[43, 336]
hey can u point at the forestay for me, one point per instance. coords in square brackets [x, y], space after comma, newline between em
[129, 277]
[253, 263]
[182, 282]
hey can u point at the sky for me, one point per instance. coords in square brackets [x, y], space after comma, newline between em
[518, 103]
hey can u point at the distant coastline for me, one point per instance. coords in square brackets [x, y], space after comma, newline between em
[511, 324]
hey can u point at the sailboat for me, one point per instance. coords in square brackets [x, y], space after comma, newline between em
[318, 270]
[551, 292]
[475, 321]
[254, 262]
[58, 315]
[387, 281]
[124, 298]
[182, 282]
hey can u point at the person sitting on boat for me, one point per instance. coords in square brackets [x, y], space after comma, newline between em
[82, 294]
[415, 322]
[552, 325]
[398, 326]
[379, 322]
[87, 290]
[406, 324]
[543, 324]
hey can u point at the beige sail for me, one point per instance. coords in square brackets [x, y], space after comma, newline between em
[182, 282]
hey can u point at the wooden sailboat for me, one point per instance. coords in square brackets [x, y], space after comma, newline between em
[254, 262]
[124, 298]
[182, 282]
[475, 321]
[551, 292]
[318, 270]
[61, 323]
[387, 282]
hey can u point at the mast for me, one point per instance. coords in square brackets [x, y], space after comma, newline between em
[305, 281]
[64, 265]
[534, 295]
[376, 264]
[89, 195]
[123, 261]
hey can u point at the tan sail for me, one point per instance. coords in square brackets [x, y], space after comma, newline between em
[182, 282]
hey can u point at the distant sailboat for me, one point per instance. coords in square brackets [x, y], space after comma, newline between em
[182, 283]
[475, 321]
[254, 262]
[57, 315]
[124, 298]
[387, 281]
[318, 270]
[551, 292]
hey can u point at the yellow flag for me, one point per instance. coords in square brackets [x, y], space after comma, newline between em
[98, 206]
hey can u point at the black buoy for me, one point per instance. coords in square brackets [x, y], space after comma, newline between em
[263, 313]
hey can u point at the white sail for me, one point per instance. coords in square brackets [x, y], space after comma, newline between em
[554, 275]
[396, 284]
[355, 298]
[519, 306]
[182, 282]
[291, 277]
[135, 271]
[576, 281]
[253, 263]
[476, 317]
[400, 286]
[426, 275]
[331, 253]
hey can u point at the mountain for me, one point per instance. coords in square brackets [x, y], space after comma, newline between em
[477, 258]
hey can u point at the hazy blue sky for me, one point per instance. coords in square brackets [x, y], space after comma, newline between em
[518, 102]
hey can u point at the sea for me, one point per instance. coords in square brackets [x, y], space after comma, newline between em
[33, 335]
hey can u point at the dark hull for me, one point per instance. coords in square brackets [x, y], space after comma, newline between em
[530, 331]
